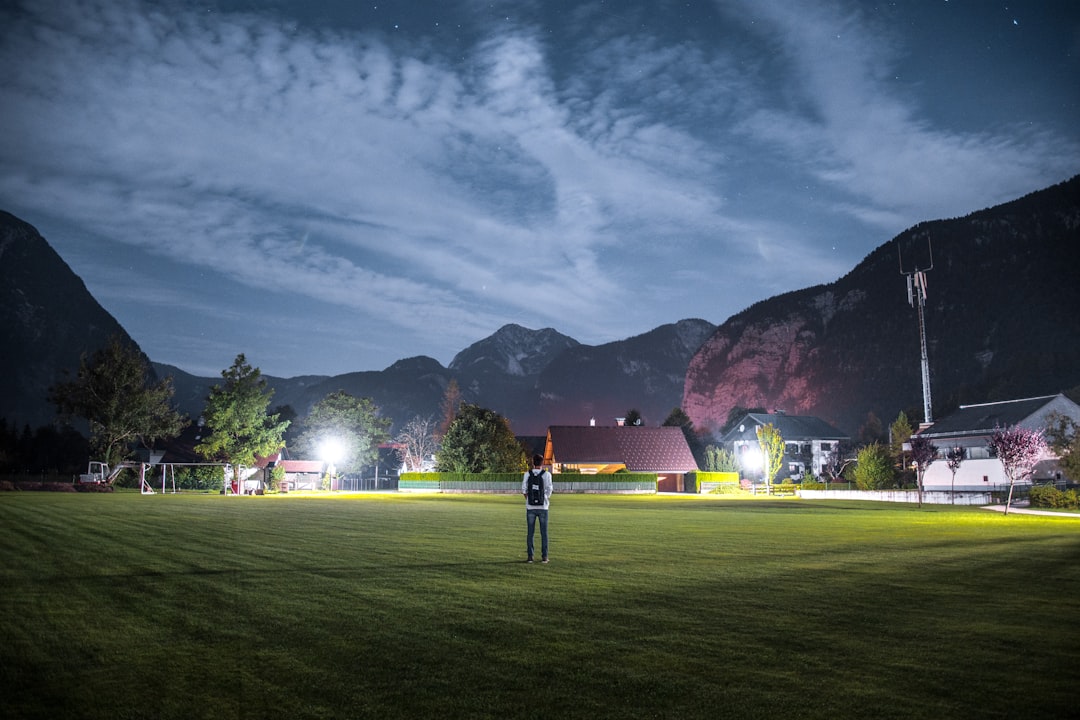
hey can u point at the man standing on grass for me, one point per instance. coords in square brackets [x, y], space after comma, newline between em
[536, 487]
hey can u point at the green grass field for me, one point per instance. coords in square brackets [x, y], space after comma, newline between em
[189, 606]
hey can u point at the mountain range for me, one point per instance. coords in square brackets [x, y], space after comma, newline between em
[1001, 321]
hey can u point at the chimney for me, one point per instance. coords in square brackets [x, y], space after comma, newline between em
[620, 421]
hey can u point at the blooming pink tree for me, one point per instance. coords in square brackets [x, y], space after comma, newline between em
[923, 453]
[1018, 449]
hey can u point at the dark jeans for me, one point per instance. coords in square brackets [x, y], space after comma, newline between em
[531, 516]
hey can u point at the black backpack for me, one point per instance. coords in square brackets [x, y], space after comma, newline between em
[535, 488]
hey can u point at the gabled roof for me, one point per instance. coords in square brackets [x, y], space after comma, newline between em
[984, 418]
[303, 466]
[641, 449]
[793, 428]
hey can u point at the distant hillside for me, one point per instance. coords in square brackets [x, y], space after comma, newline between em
[645, 373]
[1002, 322]
[532, 377]
[47, 320]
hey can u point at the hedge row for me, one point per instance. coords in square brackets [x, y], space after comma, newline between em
[712, 482]
[510, 483]
[8, 486]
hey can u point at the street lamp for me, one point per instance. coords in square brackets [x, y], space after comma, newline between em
[332, 451]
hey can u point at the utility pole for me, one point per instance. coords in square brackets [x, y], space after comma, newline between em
[916, 295]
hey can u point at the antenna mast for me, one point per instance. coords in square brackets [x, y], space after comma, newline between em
[916, 293]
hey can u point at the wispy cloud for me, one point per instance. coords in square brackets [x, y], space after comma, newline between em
[848, 122]
[407, 189]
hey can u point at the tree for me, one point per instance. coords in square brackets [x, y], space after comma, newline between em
[899, 433]
[720, 460]
[112, 391]
[772, 451]
[953, 457]
[1063, 437]
[416, 443]
[353, 423]
[633, 418]
[480, 441]
[239, 427]
[837, 462]
[1018, 449]
[870, 432]
[874, 467]
[451, 403]
[923, 453]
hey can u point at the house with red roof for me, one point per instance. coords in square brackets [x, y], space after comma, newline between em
[593, 450]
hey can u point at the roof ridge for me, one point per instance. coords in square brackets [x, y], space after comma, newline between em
[1006, 402]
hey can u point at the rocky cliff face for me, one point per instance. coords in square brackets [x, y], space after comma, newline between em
[48, 319]
[1001, 323]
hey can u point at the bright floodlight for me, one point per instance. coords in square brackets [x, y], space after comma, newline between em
[752, 459]
[332, 451]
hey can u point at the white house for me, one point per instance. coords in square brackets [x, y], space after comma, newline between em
[970, 428]
[808, 441]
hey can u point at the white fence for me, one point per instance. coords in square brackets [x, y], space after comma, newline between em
[930, 497]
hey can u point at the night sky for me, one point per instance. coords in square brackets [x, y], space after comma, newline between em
[329, 187]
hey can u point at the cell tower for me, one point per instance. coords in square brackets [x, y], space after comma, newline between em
[916, 295]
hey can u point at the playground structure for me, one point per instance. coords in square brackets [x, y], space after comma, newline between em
[100, 472]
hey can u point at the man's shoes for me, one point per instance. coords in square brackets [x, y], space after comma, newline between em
[529, 560]
[544, 561]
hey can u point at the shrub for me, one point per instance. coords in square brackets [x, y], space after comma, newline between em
[1048, 496]
[729, 488]
[874, 468]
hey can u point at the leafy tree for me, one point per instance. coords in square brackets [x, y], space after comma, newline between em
[718, 459]
[874, 467]
[923, 453]
[113, 392]
[1063, 436]
[633, 418]
[1018, 449]
[953, 458]
[451, 403]
[352, 422]
[480, 441]
[772, 450]
[416, 443]
[239, 427]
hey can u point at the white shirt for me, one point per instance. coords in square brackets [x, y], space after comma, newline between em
[547, 490]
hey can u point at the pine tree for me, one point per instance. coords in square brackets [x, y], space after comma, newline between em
[239, 427]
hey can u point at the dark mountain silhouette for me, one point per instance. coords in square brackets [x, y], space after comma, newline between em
[605, 381]
[48, 319]
[1001, 323]
[1001, 319]
[501, 371]
[532, 377]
